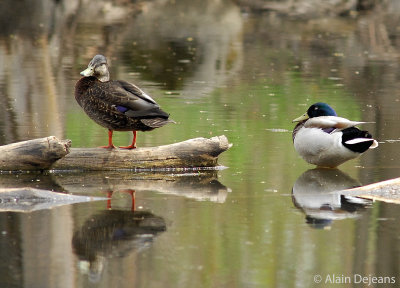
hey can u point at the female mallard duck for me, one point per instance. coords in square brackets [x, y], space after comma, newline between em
[116, 105]
[323, 139]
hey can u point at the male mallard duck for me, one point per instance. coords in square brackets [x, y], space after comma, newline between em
[323, 139]
[116, 105]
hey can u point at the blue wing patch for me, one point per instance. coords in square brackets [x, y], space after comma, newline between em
[122, 109]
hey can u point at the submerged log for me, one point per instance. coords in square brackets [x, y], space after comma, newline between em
[193, 153]
[37, 154]
[386, 191]
[30, 199]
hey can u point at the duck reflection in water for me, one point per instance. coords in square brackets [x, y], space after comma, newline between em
[317, 193]
[113, 233]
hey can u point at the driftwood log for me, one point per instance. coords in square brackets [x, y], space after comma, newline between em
[198, 152]
[52, 154]
[37, 154]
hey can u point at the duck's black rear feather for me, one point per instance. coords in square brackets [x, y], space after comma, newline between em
[354, 133]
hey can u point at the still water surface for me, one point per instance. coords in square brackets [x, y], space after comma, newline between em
[217, 70]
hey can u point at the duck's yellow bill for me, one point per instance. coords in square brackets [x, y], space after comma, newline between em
[301, 118]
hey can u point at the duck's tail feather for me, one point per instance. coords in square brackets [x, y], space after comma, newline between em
[357, 140]
[156, 122]
[154, 112]
[362, 142]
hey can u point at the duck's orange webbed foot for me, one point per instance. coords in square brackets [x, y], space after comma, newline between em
[133, 145]
[110, 144]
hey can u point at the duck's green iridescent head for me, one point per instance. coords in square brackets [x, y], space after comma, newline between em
[317, 110]
[320, 109]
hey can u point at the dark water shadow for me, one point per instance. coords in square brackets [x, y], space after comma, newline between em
[113, 233]
[317, 194]
[35, 180]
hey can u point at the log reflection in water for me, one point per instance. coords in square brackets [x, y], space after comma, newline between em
[200, 186]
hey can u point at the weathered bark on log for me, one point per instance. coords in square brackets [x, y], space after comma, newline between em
[37, 154]
[309, 9]
[52, 153]
[198, 152]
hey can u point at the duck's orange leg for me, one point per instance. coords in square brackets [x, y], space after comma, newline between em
[133, 145]
[109, 196]
[110, 144]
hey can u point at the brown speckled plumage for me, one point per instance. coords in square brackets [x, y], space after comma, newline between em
[117, 105]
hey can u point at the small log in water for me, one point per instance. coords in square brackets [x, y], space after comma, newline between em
[386, 191]
[198, 152]
[37, 154]
[31, 199]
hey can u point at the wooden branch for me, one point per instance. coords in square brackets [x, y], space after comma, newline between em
[198, 152]
[37, 154]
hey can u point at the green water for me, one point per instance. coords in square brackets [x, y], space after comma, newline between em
[218, 70]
